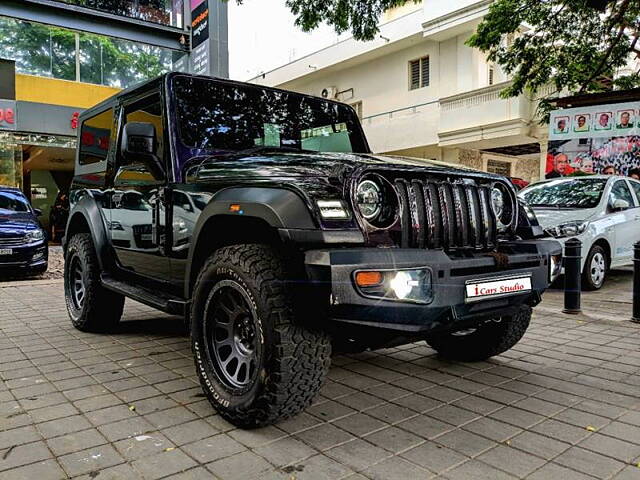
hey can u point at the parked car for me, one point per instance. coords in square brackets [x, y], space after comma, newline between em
[58, 216]
[290, 238]
[23, 243]
[603, 212]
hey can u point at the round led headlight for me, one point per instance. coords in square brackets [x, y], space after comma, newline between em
[369, 199]
[502, 205]
[497, 201]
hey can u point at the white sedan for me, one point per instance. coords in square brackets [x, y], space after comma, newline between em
[603, 212]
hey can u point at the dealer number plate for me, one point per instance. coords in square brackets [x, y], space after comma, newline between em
[5, 251]
[498, 287]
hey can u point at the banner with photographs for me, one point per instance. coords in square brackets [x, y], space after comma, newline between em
[600, 139]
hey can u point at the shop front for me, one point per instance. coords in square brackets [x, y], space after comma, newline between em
[38, 135]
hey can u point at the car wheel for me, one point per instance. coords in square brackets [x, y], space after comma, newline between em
[489, 339]
[595, 268]
[256, 361]
[91, 306]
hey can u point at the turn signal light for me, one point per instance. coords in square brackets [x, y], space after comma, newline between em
[368, 279]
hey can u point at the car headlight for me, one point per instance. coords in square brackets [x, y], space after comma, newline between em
[34, 236]
[369, 199]
[115, 225]
[502, 205]
[555, 267]
[570, 229]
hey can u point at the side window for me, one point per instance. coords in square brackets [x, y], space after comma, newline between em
[148, 110]
[620, 191]
[636, 188]
[95, 138]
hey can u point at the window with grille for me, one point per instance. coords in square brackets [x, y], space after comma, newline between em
[492, 73]
[499, 167]
[419, 73]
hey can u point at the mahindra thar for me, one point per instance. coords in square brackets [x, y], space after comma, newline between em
[263, 218]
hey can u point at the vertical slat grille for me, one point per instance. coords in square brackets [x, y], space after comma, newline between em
[452, 216]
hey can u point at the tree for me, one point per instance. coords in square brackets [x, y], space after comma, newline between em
[577, 45]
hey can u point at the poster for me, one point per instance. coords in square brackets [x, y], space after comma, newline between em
[594, 140]
[200, 53]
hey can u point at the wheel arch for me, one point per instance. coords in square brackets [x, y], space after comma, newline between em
[85, 217]
[261, 212]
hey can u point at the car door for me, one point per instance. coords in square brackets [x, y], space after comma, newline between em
[137, 219]
[624, 222]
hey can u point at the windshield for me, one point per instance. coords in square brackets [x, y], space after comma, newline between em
[215, 115]
[11, 202]
[575, 193]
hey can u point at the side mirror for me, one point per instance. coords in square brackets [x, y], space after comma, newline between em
[37, 212]
[620, 204]
[138, 144]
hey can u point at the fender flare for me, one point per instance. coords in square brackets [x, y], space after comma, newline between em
[88, 209]
[278, 207]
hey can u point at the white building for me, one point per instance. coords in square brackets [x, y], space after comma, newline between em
[422, 92]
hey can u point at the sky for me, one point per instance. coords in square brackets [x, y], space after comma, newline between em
[262, 36]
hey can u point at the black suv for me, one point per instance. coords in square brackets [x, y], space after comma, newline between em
[262, 217]
[23, 242]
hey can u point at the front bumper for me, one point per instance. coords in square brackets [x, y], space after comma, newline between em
[332, 270]
[25, 258]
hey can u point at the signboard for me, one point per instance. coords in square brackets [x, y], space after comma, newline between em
[586, 140]
[8, 116]
[201, 51]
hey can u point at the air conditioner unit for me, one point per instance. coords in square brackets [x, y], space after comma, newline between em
[330, 93]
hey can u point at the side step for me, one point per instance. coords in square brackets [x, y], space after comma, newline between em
[153, 298]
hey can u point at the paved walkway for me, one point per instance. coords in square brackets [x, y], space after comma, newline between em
[564, 403]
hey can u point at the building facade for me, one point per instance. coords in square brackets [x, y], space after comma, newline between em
[420, 91]
[60, 57]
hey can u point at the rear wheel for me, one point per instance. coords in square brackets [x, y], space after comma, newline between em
[487, 340]
[595, 268]
[256, 361]
[91, 306]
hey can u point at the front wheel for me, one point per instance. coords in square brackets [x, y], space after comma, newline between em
[595, 268]
[489, 339]
[256, 361]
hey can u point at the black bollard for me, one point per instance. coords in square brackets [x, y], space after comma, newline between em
[635, 317]
[572, 287]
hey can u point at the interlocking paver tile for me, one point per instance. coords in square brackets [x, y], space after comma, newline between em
[589, 462]
[385, 414]
[163, 464]
[241, 465]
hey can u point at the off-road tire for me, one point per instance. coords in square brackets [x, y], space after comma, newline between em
[488, 340]
[587, 280]
[293, 358]
[101, 309]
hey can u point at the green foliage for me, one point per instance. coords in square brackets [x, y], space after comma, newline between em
[563, 43]
[51, 51]
[359, 16]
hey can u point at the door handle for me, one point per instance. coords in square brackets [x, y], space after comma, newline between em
[637, 217]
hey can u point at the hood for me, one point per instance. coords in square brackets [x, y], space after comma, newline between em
[16, 223]
[552, 217]
[312, 165]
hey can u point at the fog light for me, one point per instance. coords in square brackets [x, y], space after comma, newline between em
[402, 284]
[555, 267]
[412, 285]
[37, 256]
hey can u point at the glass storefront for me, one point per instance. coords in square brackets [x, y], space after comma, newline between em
[165, 12]
[52, 52]
[10, 161]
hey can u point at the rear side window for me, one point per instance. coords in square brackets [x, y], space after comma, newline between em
[636, 187]
[95, 138]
